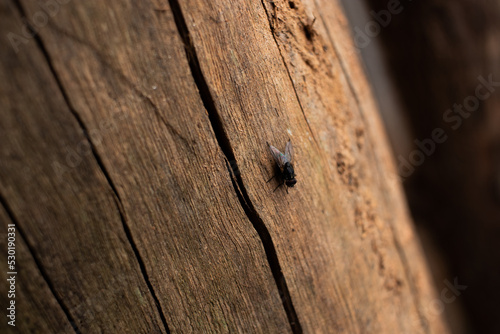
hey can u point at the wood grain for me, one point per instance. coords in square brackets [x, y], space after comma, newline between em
[346, 223]
[171, 181]
[177, 101]
[69, 212]
[38, 311]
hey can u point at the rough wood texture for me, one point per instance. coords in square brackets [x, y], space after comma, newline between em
[160, 203]
[167, 213]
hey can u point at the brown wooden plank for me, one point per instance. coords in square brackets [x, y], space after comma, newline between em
[161, 123]
[36, 309]
[68, 212]
[340, 233]
[129, 82]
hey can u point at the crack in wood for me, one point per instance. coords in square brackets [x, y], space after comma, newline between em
[100, 163]
[108, 66]
[225, 145]
[142, 266]
[64, 308]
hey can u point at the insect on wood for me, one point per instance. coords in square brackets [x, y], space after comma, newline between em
[286, 173]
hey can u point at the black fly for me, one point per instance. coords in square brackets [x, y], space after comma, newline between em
[284, 162]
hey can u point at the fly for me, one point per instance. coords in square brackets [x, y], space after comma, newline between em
[284, 162]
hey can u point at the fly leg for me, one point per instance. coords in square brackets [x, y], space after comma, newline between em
[279, 185]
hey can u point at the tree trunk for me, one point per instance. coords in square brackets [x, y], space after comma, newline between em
[134, 167]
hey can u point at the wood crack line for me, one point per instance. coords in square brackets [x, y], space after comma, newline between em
[123, 78]
[38, 264]
[399, 248]
[99, 161]
[225, 145]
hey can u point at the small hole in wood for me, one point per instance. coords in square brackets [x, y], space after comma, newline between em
[308, 30]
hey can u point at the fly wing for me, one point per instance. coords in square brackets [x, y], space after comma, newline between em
[278, 156]
[289, 151]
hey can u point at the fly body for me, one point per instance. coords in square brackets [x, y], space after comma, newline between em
[284, 163]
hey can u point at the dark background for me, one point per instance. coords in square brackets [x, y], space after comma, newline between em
[425, 58]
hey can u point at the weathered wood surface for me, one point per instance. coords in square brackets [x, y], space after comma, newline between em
[34, 297]
[141, 107]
